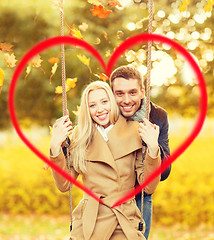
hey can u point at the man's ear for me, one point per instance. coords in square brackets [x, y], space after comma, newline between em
[142, 92]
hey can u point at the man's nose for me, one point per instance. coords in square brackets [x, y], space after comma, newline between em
[126, 99]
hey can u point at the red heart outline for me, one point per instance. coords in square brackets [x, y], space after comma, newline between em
[117, 53]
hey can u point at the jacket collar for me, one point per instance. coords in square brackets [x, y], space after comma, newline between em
[123, 140]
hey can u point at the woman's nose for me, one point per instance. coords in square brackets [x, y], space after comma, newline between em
[99, 108]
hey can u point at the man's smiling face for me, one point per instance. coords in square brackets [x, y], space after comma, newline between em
[128, 95]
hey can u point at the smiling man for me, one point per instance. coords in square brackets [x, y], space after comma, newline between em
[126, 84]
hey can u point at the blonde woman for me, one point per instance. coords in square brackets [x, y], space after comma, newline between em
[106, 150]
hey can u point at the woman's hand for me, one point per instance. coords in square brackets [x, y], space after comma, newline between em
[149, 133]
[61, 130]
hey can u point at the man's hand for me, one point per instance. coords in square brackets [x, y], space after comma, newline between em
[149, 133]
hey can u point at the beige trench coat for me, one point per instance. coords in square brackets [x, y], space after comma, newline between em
[112, 168]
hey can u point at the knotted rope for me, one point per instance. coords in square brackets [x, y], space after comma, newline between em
[64, 102]
[148, 80]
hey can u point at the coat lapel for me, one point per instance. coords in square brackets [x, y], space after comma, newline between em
[124, 138]
[98, 150]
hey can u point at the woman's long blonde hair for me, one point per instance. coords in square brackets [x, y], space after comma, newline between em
[83, 134]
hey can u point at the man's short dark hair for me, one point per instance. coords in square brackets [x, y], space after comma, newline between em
[127, 72]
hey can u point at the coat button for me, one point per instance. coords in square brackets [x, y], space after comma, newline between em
[140, 227]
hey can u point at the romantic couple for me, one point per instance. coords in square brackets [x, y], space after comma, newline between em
[107, 150]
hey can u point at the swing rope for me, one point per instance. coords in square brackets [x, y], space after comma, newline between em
[64, 95]
[148, 80]
[64, 103]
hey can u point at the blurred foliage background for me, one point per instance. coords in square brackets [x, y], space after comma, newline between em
[173, 86]
[187, 196]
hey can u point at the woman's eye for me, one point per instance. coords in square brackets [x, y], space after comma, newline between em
[105, 101]
[92, 105]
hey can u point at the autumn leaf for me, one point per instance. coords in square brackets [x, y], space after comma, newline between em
[53, 70]
[57, 4]
[50, 129]
[83, 26]
[183, 7]
[94, 2]
[28, 70]
[70, 83]
[100, 12]
[6, 47]
[208, 7]
[1, 79]
[102, 76]
[105, 35]
[114, 3]
[53, 60]
[10, 59]
[36, 61]
[76, 112]
[85, 61]
[75, 32]
[108, 53]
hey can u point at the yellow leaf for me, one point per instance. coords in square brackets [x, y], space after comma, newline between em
[28, 70]
[58, 90]
[53, 70]
[1, 79]
[85, 61]
[70, 83]
[10, 59]
[108, 53]
[50, 128]
[183, 8]
[208, 8]
[75, 32]
[76, 112]
[36, 61]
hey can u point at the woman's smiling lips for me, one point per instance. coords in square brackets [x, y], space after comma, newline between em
[102, 116]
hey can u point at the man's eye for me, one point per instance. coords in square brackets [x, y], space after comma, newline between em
[119, 94]
[133, 93]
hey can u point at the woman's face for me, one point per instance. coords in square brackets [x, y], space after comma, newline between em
[99, 107]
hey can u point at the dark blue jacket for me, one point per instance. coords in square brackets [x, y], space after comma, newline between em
[158, 116]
